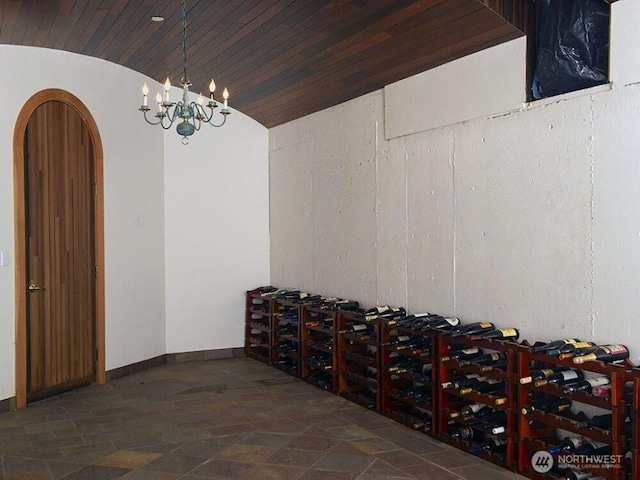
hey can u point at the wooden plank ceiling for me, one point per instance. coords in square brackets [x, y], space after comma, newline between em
[281, 59]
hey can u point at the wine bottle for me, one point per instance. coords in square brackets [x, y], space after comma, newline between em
[568, 348]
[472, 329]
[603, 421]
[491, 444]
[470, 409]
[262, 290]
[487, 386]
[357, 327]
[541, 374]
[486, 359]
[392, 313]
[588, 385]
[496, 422]
[605, 390]
[499, 365]
[409, 366]
[441, 323]
[550, 404]
[463, 381]
[345, 305]
[601, 391]
[578, 352]
[401, 339]
[423, 343]
[569, 444]
[605, 353]
[591, 447]
[408, 319]
[464, 354]
[553, 345]
[501, 334]
[462, 432]
[484, 414]
[561, 378]
[375, 311]
[413, 392]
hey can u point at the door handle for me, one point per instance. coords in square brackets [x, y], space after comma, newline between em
[33, 287]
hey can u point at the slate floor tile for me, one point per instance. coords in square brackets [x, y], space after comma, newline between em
[246, 453]
[95, 472]
[293, 457]
[173, 463]
[219, 419]
[222, 469]
[129, 459]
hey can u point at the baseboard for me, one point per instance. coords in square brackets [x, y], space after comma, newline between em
[7, 404]
[136, 367]
[200, 355]
[172, 358]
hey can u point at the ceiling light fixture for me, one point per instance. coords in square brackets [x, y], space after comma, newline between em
[190, 114]
[157, 18]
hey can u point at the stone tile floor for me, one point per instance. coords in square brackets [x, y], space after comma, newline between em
[219, 419]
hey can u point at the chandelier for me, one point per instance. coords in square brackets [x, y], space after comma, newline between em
[189, 115]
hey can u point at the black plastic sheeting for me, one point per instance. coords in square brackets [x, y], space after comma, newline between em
[573, 50]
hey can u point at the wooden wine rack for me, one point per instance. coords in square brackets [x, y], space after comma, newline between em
[353, 360]
[318, 335]
[532, 440]
[286, 348]
[358, 361]
[258, 328]
[635, 424]
[453, 399]
[419, 415]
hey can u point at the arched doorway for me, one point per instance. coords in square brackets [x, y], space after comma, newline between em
[59, 243]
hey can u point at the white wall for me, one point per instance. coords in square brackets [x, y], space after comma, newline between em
[133, 191]
[448, 94]
[526, 219]
[216, 231]
[213, 212]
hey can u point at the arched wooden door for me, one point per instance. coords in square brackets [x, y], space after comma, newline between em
[61, 285]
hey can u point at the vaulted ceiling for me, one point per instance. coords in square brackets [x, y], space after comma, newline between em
[281, 59]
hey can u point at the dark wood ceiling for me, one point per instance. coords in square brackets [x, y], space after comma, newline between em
[281, 59]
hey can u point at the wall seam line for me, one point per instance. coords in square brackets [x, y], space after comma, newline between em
[377, 208]
[453, 206]
[406, 225]
[591, 211]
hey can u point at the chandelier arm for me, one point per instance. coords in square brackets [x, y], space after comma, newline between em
[157, 122]
[224, 120]
[177, 110]
[198, 115]
[166, 126]
[201, 112]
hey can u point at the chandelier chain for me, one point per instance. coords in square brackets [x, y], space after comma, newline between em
[184, 41]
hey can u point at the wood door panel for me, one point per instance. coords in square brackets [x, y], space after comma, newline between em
[60, 250]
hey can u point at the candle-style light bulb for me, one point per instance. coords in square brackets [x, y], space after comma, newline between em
[145, 93]
[167, 89]
[159, 100]
[200, 100]
[225, 95]
[212, 88]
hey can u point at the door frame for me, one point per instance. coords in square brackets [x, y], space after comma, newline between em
[19, 190]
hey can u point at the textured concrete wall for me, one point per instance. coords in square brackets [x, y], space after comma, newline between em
[528, 219]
